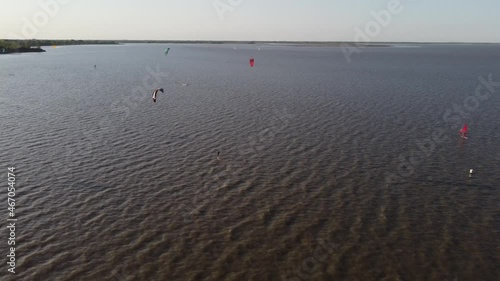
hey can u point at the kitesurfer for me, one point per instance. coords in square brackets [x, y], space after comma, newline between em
[155, 92]
[463, 132]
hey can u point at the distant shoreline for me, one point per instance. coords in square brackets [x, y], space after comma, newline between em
[8, 46]
[51, 42]
[4, 51]
[302, 43]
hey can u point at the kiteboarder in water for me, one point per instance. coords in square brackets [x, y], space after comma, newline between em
[155, 92]
[218, 155]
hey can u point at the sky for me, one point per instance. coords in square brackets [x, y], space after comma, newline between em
[254, 20]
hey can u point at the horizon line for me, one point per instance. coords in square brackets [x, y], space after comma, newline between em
[257, 41]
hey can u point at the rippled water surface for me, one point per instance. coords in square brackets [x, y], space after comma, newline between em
[328, 170]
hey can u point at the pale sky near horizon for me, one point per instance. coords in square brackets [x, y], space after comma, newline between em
[260, 20]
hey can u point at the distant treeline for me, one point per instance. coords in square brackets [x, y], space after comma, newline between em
[223, 42]
[12, 46]
[33, 45]
[188, 41]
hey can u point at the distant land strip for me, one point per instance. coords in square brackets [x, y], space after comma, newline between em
[8, 46]
[34, 46]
